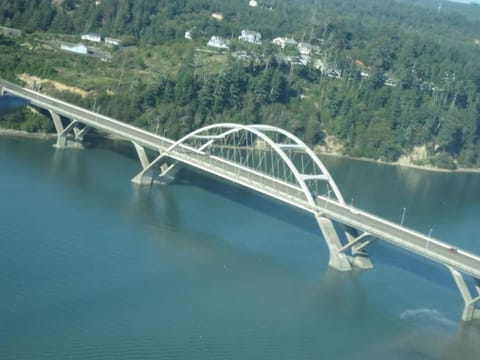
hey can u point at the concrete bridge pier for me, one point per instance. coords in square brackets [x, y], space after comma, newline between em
[360, 257]
[338, 260]
[71, 136]
[470, 311]
[156, 171]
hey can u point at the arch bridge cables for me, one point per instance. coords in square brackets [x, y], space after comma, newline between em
[263, 157]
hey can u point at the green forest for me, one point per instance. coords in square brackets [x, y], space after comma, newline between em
[381, 77]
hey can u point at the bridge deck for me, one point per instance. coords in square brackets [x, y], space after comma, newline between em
[401, 236]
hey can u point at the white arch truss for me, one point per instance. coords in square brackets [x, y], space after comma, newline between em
[265, 149]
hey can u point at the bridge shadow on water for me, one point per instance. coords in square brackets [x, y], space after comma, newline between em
[381, 253]
[384, 256]
[249, 199]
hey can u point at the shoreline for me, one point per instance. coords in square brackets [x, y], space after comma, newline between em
[400, 165]
[52, 136]
[25, 134]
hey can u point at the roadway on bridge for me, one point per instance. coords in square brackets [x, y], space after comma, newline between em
[90, 118]
[396, 234]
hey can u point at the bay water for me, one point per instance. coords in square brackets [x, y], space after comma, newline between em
[95, 267]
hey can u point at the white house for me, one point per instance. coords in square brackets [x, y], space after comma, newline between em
[188, 35]
[253, 3]
[251, 37]
[217, 16]
[284, 41]
[332, 71]
[77, 49]
[218, 42]
[390, 82]
[304, 48]
[92, 37]
[304, 59]
[279, 41]
[113, 41]
[241, 55]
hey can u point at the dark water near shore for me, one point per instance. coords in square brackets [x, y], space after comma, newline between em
[93, 267]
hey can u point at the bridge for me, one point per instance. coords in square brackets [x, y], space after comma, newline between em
[271, 161]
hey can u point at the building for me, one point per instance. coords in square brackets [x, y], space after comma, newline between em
[92, 37]
[188, 35]
[218, 42]
[6, 31]
[113, 41]
[253, 3]
[252, 37]
[304, 48]
[333, 72]
[217, 16]
[279, 41]
[241, 55]
[390, 82]
[77, 49]
[284, 41]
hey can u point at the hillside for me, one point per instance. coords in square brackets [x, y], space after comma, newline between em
[381, 78]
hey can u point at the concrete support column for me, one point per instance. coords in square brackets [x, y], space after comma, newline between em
[168, 172]
[142, 155]
[470, 312]
[360, 257]
[142, 178]
[338, 260]
[80, 133]
[158, 170]
[65, 137]
[57, 122]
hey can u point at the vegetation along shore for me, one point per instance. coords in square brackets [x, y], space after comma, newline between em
[394, 81]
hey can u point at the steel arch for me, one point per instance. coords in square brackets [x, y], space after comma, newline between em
[263, 132]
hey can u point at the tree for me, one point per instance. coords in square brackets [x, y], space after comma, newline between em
[185, 85]
[62, 23]
[279, 88]
[205, 97]
[220, 94]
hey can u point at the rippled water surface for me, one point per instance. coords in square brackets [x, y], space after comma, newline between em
[93, 267]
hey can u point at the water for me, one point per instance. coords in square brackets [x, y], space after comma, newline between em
[93, 267]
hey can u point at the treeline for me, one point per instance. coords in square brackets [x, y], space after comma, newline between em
[154, 21]
[243, 92]
[149, 21]
[426, 53]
